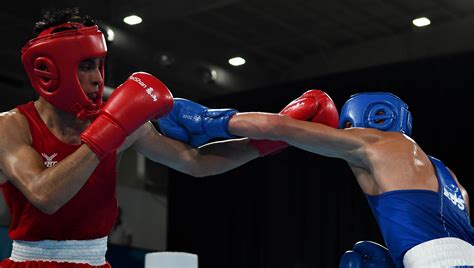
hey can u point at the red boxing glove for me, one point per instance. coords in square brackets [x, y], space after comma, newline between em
[314, 105]
[141, 98]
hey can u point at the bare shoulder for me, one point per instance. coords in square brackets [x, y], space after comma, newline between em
[463, 190]
[454, 176]
[366, 142]
[393, 148]
[13, 128]
[367, 137]
[383, 155]
[389, 142]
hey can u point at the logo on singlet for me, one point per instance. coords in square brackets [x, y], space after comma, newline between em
[453, 193]
[49, 160]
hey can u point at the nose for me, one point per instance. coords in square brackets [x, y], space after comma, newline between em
[97, 79]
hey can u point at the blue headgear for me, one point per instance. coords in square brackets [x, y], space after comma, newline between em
[380, 110]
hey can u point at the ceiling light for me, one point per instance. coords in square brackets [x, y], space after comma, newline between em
[421, 22]
[236, 61]
[132, 20]
[110, 35]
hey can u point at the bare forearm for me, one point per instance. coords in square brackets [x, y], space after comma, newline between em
[211, 159]
[312, 137]
[255, 125]
[55, 186]
[220, 157]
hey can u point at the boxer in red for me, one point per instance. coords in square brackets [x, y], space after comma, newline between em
[58, 154]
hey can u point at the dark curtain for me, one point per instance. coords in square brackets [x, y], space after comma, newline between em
[297, 209]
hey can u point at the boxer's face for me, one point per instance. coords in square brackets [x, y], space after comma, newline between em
[90, 76]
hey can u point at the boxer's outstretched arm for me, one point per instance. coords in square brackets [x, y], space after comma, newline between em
[219, 157]
[347, 144]
[189, 122]
[211, 159]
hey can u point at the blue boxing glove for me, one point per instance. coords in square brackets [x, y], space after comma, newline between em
[195, 124]
[366, 254]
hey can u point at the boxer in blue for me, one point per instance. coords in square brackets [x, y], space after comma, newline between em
[421, 208]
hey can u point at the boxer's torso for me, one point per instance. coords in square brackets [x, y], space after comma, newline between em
[90, 214]
[407, 218]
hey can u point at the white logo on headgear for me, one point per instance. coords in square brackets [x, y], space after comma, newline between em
[451, 194]
[149, 90]
[49, 160]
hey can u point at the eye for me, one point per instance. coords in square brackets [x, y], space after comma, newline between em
[348, 124]
[86, 65]
[91, 64]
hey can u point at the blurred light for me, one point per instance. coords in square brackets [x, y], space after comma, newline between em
[132, 20]
[166, 60]
[213, 75]
[110, 35]
[208, 75]
[237, 61]
[421, 22]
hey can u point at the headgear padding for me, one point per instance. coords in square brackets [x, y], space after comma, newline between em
[380, 110]
[51, 61]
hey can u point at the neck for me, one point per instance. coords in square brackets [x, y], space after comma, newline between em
[66, 126]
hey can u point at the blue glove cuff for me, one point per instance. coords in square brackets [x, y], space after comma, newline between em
[216, 122]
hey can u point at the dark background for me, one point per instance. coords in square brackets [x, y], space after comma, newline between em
[293, 209]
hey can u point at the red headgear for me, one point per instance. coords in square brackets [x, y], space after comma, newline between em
[51, 61]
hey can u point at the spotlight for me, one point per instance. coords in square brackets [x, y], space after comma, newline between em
[236, 61]
[421, 22]
[132, 20]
